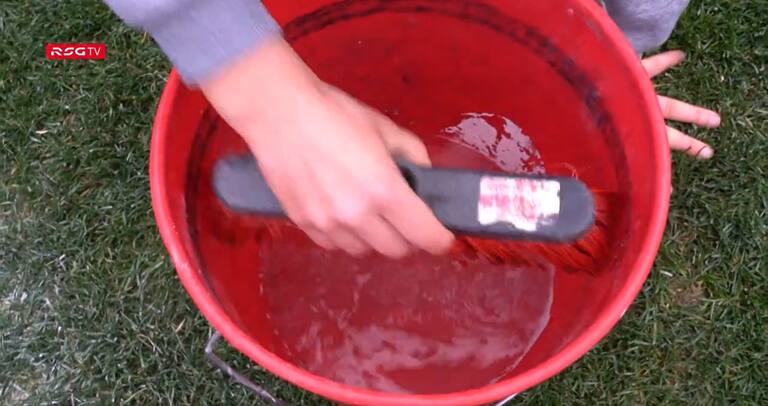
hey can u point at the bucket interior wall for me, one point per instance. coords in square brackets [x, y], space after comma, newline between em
[429, 65]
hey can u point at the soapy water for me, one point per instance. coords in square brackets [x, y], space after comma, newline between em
[424, 324]
[500, 140]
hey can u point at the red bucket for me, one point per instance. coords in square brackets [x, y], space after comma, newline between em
[555, 80]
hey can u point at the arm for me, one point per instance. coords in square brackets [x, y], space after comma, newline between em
[200, 36]
[326, 156]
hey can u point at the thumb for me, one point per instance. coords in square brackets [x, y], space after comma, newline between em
[402, 142]
[410, 147]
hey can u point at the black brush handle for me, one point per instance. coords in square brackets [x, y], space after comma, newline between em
[452, 194]
[239, 184]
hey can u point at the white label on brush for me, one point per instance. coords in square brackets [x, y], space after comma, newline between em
[524, 203]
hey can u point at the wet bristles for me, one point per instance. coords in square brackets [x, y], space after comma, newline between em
[581, 256]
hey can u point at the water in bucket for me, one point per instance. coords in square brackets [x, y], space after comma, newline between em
[421, 325]
[425, 324]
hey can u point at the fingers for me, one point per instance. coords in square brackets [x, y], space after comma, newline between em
[357, 227]
[352, 224]
[316, 219]
[387, 217]
[400, 141]
[348, 241]
[657, 64]
[393, 220]
[319, 238]
[677, 110]
[397, 140]
[383, 238]
[415, 221]
[680, 141]
[405, 144]
[331, 234]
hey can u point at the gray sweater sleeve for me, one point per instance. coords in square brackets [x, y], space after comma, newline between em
[646, 23]
[199, 36]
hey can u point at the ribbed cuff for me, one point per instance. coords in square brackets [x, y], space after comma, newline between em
[209, 34]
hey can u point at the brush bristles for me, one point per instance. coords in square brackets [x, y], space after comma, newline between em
[581, 256]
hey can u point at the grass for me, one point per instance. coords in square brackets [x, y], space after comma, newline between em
[91, 311]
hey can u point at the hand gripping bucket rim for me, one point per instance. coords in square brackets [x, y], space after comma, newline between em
[203, 298]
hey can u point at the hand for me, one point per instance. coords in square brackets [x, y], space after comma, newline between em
[677, 110]
[397, 140]
[326, 156]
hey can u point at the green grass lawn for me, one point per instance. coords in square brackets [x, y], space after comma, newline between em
[91, 311]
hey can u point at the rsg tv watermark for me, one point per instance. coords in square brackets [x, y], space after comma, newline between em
[75, 51]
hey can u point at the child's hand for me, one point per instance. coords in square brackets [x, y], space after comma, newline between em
[680, 111]
[326, 156]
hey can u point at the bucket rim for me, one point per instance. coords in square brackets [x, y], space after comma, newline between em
[201, 294]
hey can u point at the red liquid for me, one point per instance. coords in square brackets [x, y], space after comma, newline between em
[422, 325]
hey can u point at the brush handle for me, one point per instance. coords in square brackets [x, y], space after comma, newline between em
[468, 202]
